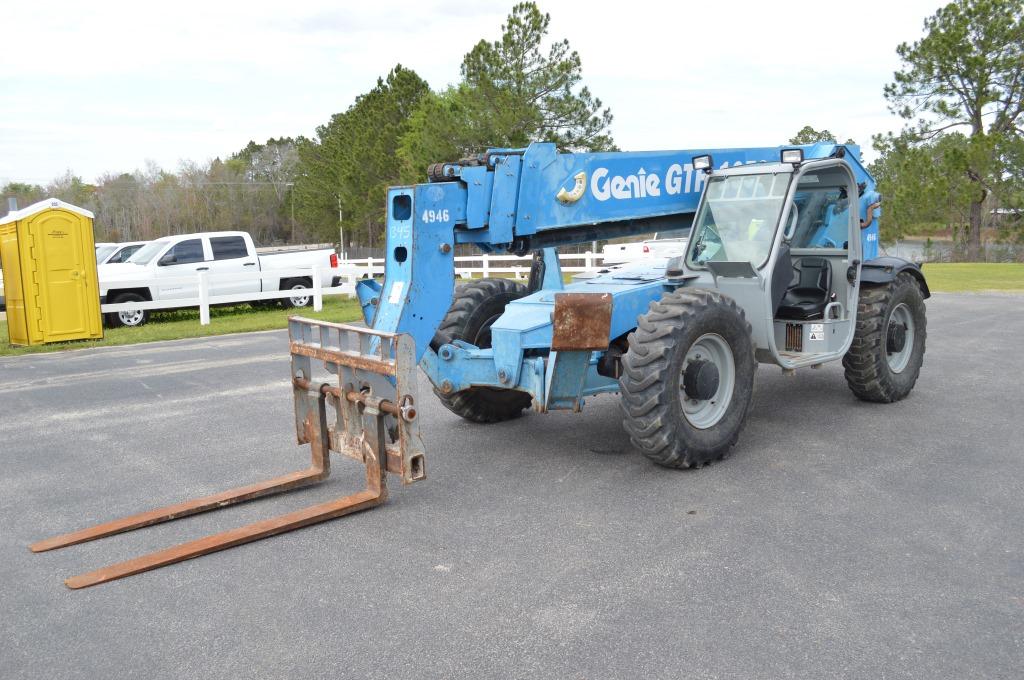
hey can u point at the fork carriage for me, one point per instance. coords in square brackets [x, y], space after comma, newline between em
[373, 400]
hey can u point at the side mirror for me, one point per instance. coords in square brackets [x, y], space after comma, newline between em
[851, 271]
[675, 266]
[167, 259]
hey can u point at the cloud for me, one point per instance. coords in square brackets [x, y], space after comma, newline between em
[101, 87]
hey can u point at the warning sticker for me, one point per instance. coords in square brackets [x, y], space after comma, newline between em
[817, 328]
[817, 336]
[396, 292]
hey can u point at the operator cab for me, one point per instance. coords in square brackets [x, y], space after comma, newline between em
[780, 239]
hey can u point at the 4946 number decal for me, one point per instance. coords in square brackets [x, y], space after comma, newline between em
[435, 216]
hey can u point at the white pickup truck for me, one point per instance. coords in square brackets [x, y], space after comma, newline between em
[141, 277]
[664, 244]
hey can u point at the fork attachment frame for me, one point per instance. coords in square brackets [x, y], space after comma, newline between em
[375, 422]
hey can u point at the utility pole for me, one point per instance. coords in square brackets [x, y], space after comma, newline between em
[341, 230]
[291, 195]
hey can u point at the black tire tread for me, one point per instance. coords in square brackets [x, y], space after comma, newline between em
[472, 305]
[288, 283]
[112, 318]
[865, 365]
[646, 382]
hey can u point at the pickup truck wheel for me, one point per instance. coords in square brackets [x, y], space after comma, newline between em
[474, 310]
[130, 318]
[303, 299]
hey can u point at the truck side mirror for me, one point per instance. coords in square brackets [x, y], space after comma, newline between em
[167, 259]
[851, 272]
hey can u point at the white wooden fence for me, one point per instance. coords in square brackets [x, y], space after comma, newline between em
[349, 271]
[203, 299]
[486, 265]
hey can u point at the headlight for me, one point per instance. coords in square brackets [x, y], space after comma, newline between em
[794, 156]
[702, 162]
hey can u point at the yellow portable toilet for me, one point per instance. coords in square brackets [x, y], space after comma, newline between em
[49, 262]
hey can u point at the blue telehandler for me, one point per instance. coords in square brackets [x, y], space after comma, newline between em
[772, 273]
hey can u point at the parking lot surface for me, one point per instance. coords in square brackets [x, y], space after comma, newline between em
[840, 540]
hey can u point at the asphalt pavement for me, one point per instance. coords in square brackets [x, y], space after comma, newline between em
[840, 540]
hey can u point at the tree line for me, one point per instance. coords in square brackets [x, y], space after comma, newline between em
[250, 190]
[955, 168]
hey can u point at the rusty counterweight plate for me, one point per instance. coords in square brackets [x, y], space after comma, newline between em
[582, 321]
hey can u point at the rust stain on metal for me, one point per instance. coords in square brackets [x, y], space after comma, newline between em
[353, 396]
[582, 321]
[394, 460]
[352, 359]
[375, 494]
[245, 493]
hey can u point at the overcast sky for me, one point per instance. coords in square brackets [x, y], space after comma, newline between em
[99, 87]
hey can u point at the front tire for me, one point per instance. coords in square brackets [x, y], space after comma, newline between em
[885, 358]
[688, 378]
[477, 305]
[128, 319]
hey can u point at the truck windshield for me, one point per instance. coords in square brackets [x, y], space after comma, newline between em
[147, 252]
[738, 219]
[102, 252]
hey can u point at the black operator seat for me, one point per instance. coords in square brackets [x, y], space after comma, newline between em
[808, 294]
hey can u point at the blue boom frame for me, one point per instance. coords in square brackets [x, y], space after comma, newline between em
[536, 199]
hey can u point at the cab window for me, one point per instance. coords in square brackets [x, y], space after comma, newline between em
[824, 218]
[228, 247]
[185, 252]
[123, 254]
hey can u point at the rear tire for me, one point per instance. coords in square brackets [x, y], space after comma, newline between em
[304, 296]
[688, 378]
[475, 308]
[127, 319]
[884, 361]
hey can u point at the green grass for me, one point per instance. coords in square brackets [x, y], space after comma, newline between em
[185, 324]
[959, 277]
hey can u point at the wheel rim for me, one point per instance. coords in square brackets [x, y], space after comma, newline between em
[299, 300]
[705, 413]
[899, 359]
[131, 318]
